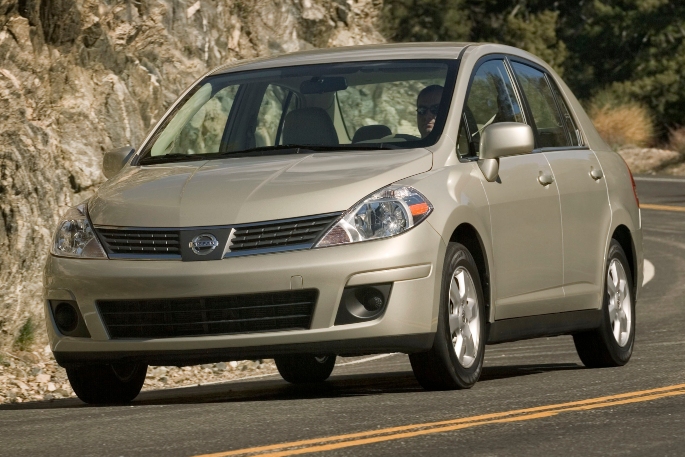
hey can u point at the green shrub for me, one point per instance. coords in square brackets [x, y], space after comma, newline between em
[26, 336]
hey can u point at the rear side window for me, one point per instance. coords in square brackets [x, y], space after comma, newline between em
[548, 121]
[575, 137]
[491, 99]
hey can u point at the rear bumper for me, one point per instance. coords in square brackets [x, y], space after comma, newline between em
[411, 262]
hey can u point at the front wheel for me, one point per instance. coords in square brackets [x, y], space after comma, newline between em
[611, 345]
[456, 359]
[104, 384]
[305, 368]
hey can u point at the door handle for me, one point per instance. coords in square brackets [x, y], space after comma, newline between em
[545, 179]
[596, 174]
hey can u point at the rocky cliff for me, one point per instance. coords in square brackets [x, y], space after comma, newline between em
[79, 77]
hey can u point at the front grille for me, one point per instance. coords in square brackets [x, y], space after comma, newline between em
[280, 233]
[177, 317]
[140, 241]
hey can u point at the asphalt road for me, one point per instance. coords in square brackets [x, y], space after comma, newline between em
[534, 398]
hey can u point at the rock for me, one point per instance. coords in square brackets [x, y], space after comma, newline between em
[20, 384]
[51, 387]
[48, 397]
[233, 364]
[157, 372]
[207, 366]
[28, 357]
[43, 378]
[35, 371]
[221, 366]
[81, 77]
[650, 160]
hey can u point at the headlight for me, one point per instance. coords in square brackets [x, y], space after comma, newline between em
[75, 236]
[388, 212]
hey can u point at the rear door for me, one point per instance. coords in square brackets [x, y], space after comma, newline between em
[582, 187]
[525, 214]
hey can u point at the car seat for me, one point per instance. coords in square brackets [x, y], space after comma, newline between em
[309, 126]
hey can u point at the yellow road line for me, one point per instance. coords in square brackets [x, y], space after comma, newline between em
[409, 431]
[680, 209]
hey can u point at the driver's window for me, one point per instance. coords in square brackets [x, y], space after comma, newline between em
[491, 99]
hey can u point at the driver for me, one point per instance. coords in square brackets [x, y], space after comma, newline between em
[427, 104]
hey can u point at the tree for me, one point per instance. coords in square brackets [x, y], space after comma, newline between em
[625, 50]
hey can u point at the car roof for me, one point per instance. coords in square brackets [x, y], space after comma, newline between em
[439, 50]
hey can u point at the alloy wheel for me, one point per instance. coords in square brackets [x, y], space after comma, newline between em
[620, 309]
[464, 320]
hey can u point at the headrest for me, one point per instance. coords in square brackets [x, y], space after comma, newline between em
[371, 132]
[309, 126]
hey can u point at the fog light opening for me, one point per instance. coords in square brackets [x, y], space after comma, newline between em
[363, 303]
[66, 317]
[372, 299]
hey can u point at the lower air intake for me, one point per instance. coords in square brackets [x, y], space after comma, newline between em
[177, 317]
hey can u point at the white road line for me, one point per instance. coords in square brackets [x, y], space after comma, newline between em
[368, 359]
[644, 178]
[649, 272]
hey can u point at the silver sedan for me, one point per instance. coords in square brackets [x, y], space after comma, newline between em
[427, 199]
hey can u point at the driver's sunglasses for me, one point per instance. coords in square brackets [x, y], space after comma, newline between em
[422, 110]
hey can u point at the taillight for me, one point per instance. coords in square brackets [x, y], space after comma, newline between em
[632, 181]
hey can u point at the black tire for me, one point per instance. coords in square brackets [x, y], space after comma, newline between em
[439, 368]
[599, 348]
[107, 384]
[305, 368]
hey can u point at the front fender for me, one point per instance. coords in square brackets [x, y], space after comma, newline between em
[458, 197]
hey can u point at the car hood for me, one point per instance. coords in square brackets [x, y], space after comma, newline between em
[249, 189]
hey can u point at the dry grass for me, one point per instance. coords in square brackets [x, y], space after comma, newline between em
[676, 140]
[622, 125]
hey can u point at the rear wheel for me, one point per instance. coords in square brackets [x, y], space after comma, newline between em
[305, 368]
[456, 359]
[611, 345]
[103, 384]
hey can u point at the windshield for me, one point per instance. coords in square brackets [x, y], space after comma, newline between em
[330, 107]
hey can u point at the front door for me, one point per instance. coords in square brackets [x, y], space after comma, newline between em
[526, 234]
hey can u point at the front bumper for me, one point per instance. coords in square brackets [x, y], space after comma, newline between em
[411, 261]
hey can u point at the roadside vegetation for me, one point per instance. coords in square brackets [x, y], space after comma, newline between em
[622, 59]
[26, 336]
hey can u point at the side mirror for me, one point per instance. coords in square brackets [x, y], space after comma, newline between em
[501, 140]
[113, 161]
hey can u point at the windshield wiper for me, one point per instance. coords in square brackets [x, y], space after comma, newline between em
[172, 158]
[267, 150]
[304, 148]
